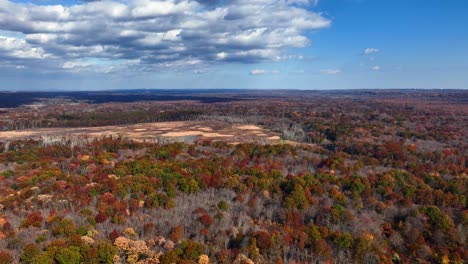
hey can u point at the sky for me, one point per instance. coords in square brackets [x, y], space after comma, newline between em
[254, 44]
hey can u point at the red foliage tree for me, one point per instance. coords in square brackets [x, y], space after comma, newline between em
[100, 217]
[206, 220]
[33, 219]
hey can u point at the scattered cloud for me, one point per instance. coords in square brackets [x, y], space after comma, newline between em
[74, 65]
[376, 68]
[370, 51]
[263, 72]
[303, 2]
[314, 2]
[291, 57]
[156, 33]
[199, 71]
[297, 72]
[330, 71]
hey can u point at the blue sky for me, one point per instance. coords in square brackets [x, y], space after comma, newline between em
[266, 44]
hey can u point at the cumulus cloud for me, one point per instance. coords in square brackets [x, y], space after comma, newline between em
[17, 48]
[376, 68]
[330, 71]
[157, 33]
[370, 51]
[262, 72]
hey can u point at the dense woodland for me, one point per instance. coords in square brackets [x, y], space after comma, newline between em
[362, 178]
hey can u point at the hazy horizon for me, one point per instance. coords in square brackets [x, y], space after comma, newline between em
[224, 89]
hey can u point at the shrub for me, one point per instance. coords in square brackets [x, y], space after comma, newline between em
[30, 251]
[64, 227]
[223, 206]
[43, 258]
[344, 241]
[170, 257]
[106, 252]
[114, 235]
[437, 218]
[82, 230]
[68, 255]
[176, 233]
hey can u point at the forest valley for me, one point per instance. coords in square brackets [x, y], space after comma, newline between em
[358, 177]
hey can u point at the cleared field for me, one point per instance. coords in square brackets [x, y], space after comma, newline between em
[161, 131]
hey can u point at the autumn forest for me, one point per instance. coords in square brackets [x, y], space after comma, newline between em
[364, 176]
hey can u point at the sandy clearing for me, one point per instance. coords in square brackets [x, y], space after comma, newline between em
[194, 133]
[14, 134]
[249, 127]
[182, 134]
[207, 129]
[215, 135]
[200, 129]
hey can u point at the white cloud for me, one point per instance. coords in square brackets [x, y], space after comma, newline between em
[257, 72]
[166, 33]
[376, 68]
[304, 2]
[330, 71]
[370, 51]
[149, 8]
[20, 49]
[297, 72]
[263, 72]
[300, 2]
[98, 65]
[75, 65]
